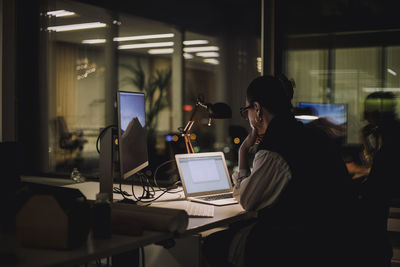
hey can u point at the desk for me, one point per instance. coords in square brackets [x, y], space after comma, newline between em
[95, 249]
[222, 215]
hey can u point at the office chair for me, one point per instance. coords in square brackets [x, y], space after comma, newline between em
[69, 140]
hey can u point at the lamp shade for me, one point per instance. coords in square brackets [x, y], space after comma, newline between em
[219, 111]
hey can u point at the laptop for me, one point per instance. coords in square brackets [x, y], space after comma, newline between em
[205, 178]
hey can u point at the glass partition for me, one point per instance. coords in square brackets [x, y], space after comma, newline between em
[309, 69]
[88, 53]
[356, 70]
[392, 73]
[74, 59]
[344, 76]
[145, 50]
[218, 68]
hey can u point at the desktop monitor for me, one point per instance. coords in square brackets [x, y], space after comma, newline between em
[331, 117]
[133, 155]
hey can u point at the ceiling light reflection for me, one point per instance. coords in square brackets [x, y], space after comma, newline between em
[207, 54]
[195, 42]
[201, 49]
[73, 27]
[146, 45]
[211, 61]
[60, 13]
[161, 51]
[94, 41]
[392, 72]
[143, 37]
[306, 117]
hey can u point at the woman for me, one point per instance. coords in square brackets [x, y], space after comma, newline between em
[298, 184]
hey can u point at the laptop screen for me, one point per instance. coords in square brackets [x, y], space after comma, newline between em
[204, 174]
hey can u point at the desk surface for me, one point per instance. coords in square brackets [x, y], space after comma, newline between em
[95, 249]
[222, 215]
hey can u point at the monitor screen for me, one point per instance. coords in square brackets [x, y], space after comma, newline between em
[336, 113]
[331, 117]
[132, 133]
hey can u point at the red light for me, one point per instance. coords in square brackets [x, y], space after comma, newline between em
[187, 107]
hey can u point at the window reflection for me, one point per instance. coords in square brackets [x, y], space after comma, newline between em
[89, 53]
[202, 71]
[355, 70]
[76, 84]
[145, 49]
[347, 77]
[392, 73]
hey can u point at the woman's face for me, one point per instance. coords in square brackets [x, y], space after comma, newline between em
[251, 115]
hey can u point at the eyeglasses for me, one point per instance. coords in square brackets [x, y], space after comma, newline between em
[244, 110]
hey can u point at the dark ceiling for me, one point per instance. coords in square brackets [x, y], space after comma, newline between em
[316, 16]
[207, 16]
[295, 16]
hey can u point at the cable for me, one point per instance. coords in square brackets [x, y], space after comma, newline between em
[133, 190]
[155, 172]
[117, 190]
[163, 190]
[142, 197]
[148, 191]
[101, 134]
[151, 200]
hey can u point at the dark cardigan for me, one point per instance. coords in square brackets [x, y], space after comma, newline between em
[312, 215]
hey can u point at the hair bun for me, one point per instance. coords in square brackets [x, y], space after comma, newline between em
[287, 84]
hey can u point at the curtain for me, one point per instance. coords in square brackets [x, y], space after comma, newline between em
[66, 82]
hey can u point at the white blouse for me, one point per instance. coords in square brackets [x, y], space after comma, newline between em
[262, 186]
[255, 190]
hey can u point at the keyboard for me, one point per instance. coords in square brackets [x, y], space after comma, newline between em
[217, 197]
[199, 210]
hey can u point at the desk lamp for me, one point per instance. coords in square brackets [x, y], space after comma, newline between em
[215, 111]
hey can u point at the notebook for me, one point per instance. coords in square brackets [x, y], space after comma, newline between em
[205, 178]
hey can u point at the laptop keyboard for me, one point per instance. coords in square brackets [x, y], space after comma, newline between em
[199, 210]
[217, 197]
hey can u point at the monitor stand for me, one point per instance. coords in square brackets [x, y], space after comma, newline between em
[108, 154]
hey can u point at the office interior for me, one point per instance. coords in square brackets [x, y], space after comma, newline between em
[59, 84]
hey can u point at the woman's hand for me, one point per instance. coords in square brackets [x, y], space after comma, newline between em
[244, 150]
[249, 141]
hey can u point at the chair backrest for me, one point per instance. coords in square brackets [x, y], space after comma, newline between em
[62, 127]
